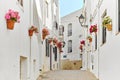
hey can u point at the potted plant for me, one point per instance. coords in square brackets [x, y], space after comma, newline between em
[107, 22]
[59, 45]
[32, 29]
[82, 42]
[89, 38]
[45, 32]
[50, 40]
[81, 48]
[55, 41]
[11, 17]
[93, 28]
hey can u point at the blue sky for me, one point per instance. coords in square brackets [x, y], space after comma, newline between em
[68, 6]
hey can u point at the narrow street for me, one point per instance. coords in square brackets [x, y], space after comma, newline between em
[68, 75]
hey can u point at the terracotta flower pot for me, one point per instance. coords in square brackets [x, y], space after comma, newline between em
[43, 37]
[90, 39]
[30, 32]
[109, 27]
[49, 41]
[10, 24]
[60, 50]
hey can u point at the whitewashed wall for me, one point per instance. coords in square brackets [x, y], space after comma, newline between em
[48, 22]
[105, 61]
[16, 43]
[76, 32]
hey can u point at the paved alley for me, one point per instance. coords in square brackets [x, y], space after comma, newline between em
[68, 75]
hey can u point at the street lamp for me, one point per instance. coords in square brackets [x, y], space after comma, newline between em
[82, 20]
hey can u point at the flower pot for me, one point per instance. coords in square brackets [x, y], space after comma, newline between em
[10, 24]
[90, 40]
[49, 41]
[109, 27]
[30, 32]
[43, 37]
[60, 50]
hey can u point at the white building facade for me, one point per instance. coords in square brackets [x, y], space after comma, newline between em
[104, 55]
[22, 57]
[73, 34]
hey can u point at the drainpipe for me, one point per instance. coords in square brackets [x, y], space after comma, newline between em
[30, 59]
[98, 40]
[30, 7]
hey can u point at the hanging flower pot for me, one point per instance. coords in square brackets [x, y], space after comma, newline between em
[10, 24]
[107, 22]
[60, 50]
[55, 41]
[89, 38]
[109, 27]
[49, 40]
[32, 29]
[45, 32]
[43, 37]
[59, 45]
[11, 17]
[81, 48]
[82, 42]
[30, 32]
[93, 28]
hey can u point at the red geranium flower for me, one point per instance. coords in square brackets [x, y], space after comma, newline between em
[93, 28]
[82, 42]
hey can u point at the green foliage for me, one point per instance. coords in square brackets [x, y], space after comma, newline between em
[106, 20]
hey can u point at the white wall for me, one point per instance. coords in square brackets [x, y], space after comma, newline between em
[48, 22]
[76, 32]
[106, 57]
[16, 43]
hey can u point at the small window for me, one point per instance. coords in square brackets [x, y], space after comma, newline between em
[21, 2]
[104, 32]
[55, 53]
[55, 24]
[96, 42]
[61, 30]
[47, 48]
[70, 29]
[65, 56]
[69, 46]
[103, 35]
[118, 15]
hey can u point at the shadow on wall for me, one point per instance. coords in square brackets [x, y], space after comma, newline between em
[71, 65]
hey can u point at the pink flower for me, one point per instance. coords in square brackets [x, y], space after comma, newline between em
[59, 44]
[13, 15]
[82, 42]
[7, 16]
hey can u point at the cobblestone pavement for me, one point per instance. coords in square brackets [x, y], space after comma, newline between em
[68, 75]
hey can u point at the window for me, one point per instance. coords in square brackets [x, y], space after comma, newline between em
[69, 46]
[21, 2]
[61, 30]
[104, 33]
[70, 29]
[118, 15]
[65, 56]
[47, 48]
[55, 24]
[55, 53]
[96, 42]
[47, 9]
